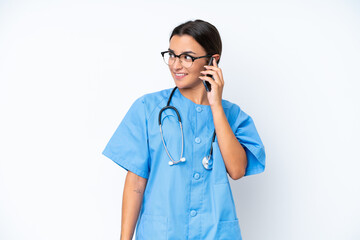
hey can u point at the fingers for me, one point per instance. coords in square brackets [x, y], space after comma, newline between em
[215, 74]
[209, 79]
[214, 62]
[216, 69]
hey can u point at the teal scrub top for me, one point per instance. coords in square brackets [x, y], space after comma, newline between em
[185, 200]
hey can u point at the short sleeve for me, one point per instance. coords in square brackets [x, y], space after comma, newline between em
[128, 147]
[249, 138]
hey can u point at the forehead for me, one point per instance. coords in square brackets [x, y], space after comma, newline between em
[185, 43]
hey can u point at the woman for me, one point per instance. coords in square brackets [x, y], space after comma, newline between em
[178, 159]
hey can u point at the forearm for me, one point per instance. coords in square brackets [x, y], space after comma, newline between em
[132, 199]
[231, 150]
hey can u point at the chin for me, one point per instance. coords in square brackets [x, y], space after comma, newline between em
[186, 83]
[182, 85]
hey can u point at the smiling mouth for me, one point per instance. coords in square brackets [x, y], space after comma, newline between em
[180, 75]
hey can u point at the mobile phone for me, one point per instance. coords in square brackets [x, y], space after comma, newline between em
[206, 83]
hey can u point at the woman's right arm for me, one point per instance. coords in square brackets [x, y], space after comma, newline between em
[132, 198]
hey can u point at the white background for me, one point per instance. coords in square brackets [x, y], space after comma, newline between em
[69, 71]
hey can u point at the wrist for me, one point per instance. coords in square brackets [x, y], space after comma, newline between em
[216, 106]
[122, 237]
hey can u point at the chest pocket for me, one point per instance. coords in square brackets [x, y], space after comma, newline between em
[219, 169]
[171, 133]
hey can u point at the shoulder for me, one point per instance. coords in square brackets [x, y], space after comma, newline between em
[234, 113]
[152, 101]
[230, 108]
[156, 97]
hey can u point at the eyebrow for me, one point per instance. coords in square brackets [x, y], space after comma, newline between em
[182, 52]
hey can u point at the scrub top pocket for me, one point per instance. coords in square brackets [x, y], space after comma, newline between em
[152, 227]
[228, 230]
[224, 202]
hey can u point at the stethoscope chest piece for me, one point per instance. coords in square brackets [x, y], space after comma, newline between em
[207, 162]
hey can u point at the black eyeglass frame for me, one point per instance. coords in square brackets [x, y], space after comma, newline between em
[178, 56]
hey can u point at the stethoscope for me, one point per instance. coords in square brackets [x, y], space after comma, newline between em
[207, 160]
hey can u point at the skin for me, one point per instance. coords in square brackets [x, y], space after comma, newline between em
[132, 199]
[192, 88]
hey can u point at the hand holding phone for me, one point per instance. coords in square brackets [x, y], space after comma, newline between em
[206, 83]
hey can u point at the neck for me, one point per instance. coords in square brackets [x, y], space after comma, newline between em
[196, 94]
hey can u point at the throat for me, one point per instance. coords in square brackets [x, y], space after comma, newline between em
[197, 96]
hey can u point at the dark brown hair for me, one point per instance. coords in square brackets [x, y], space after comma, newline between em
[204, 33]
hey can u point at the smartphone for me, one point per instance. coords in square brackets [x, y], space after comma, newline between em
[206, 83]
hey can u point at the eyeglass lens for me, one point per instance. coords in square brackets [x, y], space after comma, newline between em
[185, 60]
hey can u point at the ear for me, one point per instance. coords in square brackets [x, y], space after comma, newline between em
[217, 57]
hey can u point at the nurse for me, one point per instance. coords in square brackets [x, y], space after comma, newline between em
[177, 184]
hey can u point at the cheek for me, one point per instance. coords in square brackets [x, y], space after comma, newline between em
[197, 69]
[200, 67]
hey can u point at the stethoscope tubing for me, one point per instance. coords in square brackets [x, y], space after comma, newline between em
[182, 159]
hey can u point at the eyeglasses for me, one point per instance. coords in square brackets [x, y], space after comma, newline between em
[185, 59]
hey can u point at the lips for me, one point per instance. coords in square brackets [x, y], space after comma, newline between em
[180, 75]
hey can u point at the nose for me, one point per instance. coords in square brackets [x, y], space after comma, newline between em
[177, 63]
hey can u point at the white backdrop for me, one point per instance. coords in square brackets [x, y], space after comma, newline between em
[69, 71]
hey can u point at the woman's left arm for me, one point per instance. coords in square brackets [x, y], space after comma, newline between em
[231, 150]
